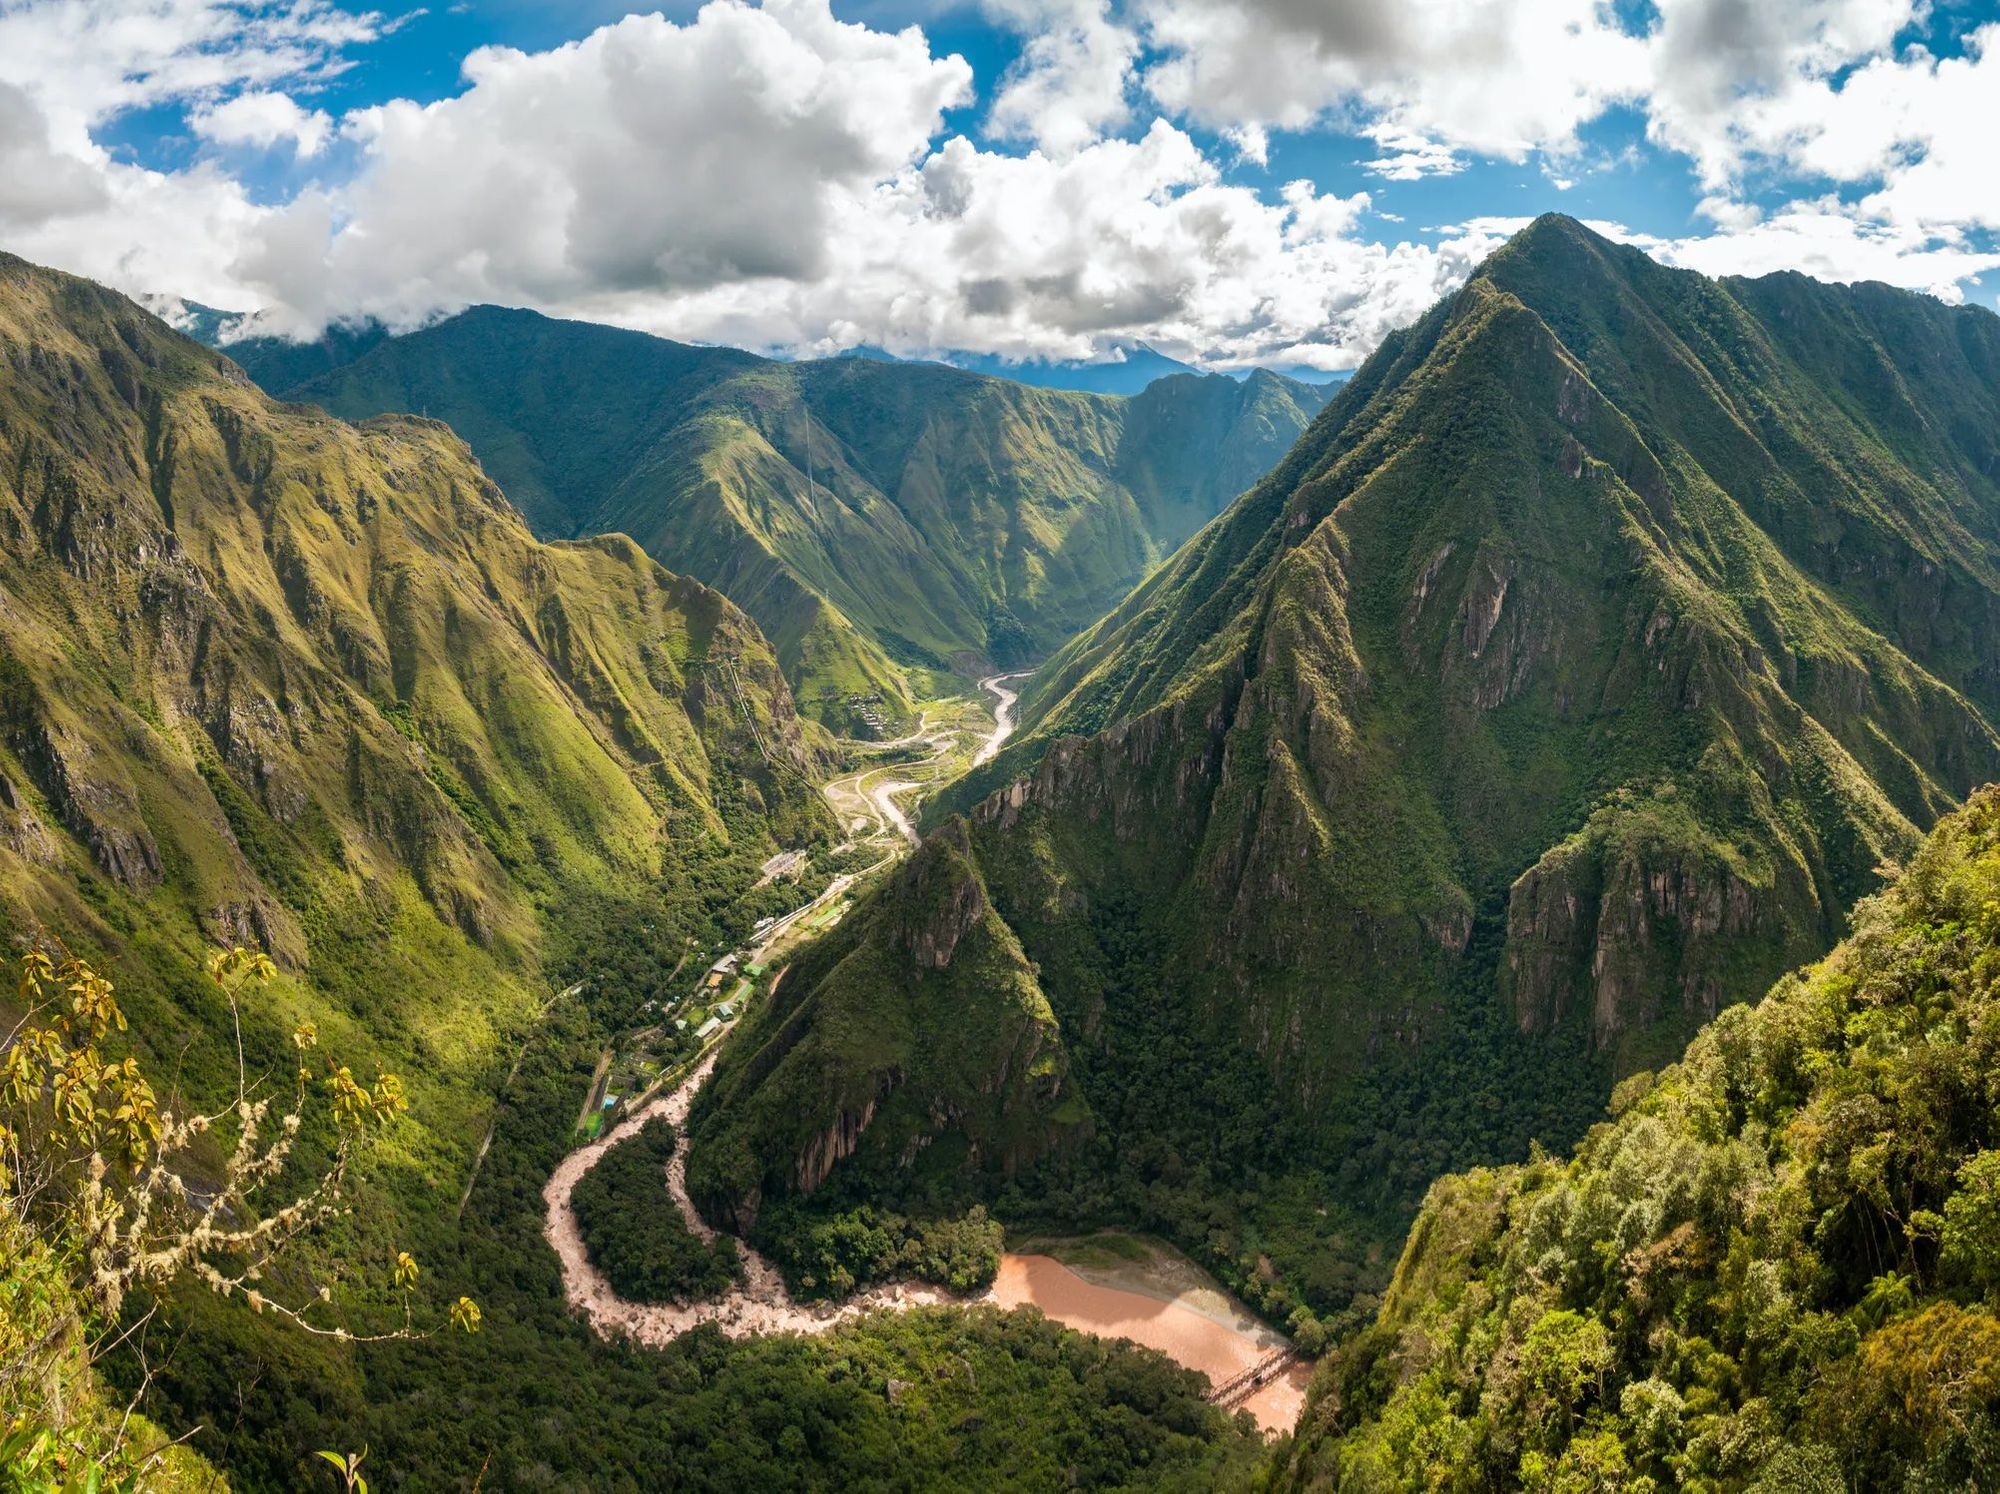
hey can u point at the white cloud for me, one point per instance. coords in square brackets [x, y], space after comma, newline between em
[37, 181]
[1424, 77]
[1070, 85]
[67, 66]
[775, 177]
[1831, 241]
[87, 60]
[766, 177]
[1407, 157]
[647, 158]
[1736, 79]
[264, 118]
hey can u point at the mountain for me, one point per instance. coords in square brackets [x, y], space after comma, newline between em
[269, 677]
[1133, 372]
[878, 520]
[1585, 660]
[1776, 1268]
[273, 363]
[272, 679]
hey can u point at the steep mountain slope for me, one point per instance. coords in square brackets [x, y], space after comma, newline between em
[1514, 723]
[874, 518]
[922, 1005]
[269, 678]
[1780, 1262]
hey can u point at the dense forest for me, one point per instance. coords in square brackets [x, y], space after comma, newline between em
[1777, 1266]
[636, 1235]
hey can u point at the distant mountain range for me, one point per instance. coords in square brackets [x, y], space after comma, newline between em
[885, 523]
[277, 363]
[1607, 636]
[1128, 373]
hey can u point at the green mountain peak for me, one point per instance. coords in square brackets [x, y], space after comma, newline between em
[1569, 679]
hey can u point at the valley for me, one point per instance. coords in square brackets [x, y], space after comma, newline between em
[896, 529]
[1161, 1303]
[1245, 1361]
[1438, 934]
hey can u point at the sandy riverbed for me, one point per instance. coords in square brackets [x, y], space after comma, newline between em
[1175, 1310]
[1182, 1331]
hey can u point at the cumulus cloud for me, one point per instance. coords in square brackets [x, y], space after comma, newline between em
[772, 176]
[768, 176]
[65, 68]
[38, 181]
[87, 60]
[1735, 79]
[1427, 78]
[1070, 85]
[264, 118]
[1831, 240]
[648, 157]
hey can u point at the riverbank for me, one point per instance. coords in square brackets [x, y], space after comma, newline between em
[1126, 1287]
[1157, 1299]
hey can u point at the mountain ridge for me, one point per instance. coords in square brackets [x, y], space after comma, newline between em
[1481, 751]
[887, 524]
[272, 679]
[1773, 1265]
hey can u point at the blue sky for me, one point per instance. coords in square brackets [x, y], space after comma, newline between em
[1231, 180]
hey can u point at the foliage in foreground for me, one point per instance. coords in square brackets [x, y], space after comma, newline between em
[1777, 1268]
[915, 1400]
[110, 1195]
[636, 1235]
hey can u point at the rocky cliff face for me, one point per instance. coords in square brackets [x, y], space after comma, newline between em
[917, 1021]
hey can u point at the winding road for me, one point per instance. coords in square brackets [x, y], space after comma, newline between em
[759, 1304]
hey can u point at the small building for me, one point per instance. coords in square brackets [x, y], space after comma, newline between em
[708, 1029]
[714, 980]
[727, 964]
[726, 1011]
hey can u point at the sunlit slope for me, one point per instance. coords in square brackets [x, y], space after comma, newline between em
[270, 678]
[879, 520]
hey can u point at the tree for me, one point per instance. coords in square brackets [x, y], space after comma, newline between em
[106, 1192]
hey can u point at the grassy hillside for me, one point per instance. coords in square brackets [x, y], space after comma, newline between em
[269, 677]
[1549, 695]
[881, 522]
[1777, 1267]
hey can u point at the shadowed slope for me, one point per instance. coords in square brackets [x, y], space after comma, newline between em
[1488, 746]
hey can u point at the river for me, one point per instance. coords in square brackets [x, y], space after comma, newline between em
[1151, 1296]
[1161, 1302]
[1003, 714]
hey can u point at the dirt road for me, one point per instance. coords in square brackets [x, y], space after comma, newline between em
[760, 1305]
